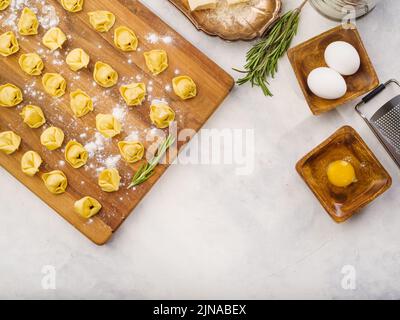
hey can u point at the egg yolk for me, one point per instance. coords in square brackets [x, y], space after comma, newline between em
[341, 173]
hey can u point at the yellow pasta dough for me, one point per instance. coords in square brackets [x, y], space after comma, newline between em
[52, 138]
[101, 20]
[161, 114]
[8, 44]
[108, 125]
[30, 163]
[54, 84]
[4, 4]
[55, 181]
[81, 103]
[77, 59]
[87, 207]
[54, 38]
[9, 142]
[156, 61]
[131, 151]
[125, 39]
[28, 23]
[10, 95]
[72, 5]
[105, 75]
[75, 154]
[133, 93]
[33, 116]
[31, 63]
[109, 180]
[184, 87]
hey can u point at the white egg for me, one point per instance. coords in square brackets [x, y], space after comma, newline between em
[326, 83]
[342, 57]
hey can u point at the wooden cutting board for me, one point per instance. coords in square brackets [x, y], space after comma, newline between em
[213, 86]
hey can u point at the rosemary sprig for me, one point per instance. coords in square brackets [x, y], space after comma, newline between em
[262, 59]
[147, 169]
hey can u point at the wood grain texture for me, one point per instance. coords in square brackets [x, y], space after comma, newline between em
[310, 55]
[372, 178]
[213, 86]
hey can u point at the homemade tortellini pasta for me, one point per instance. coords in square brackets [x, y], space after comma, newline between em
[54, 84]
[54, 38]
[72, 5]
[52, 138]
[33, 116]
[55, 181]
[125, 39]
[81, 103]
[184, 87]
[75, 154]
[101, 20]
[156, 61]
[28, 23]
[4, 4]
[87, 207]
[131, 151]
[161, 114]
[9, 142]
[105, 75]
[133, 93]
[31, 63]
[109, 180]
[8, 44]
[10, 95]
[108, 125]
[30, 163]
[77, 59]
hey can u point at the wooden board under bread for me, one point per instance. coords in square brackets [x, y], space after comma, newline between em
[213, 86]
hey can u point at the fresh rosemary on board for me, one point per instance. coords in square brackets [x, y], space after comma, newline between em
[147, 169]
[262, 59]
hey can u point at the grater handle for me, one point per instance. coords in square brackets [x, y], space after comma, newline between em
[366, 99]
[374, 93]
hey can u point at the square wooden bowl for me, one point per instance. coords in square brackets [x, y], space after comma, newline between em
[372, 178]
[310, 55]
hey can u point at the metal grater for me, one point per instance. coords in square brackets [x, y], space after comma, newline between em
[385, 123]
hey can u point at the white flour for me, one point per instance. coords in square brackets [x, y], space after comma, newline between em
[46, 13]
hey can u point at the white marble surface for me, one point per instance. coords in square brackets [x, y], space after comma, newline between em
[222, 235]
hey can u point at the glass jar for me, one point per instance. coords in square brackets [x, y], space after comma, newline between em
[339, 9]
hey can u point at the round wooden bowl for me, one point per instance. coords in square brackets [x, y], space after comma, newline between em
[242, 22]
